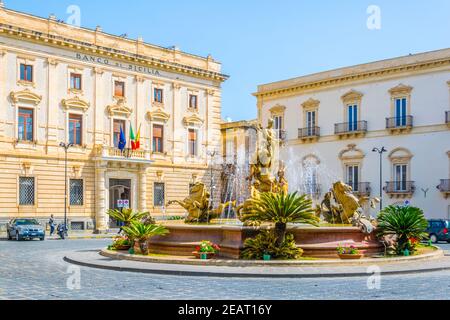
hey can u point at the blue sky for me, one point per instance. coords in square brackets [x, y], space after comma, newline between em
[261, 41]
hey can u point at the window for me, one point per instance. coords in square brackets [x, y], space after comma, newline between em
[193, 101]
[311, 122]
[353, 176]
[26, 72]
[158, 95]
[278, 122]
[352, 117]
[26, 191]
[119, 89]
[26, 118]
[158, 194]
[400, 175]
[76, 192]
[75, 126]
[158, 135]
[192, 142]
[117, 124]
[75, 81]
[400, 111]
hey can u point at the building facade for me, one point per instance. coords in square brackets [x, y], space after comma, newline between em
[61, 83]
[334, 120]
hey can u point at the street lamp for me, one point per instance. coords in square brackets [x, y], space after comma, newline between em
[212, 154]
[66, 147]
[380, 152]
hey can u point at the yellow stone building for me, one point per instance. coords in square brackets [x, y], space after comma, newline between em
[61, 83]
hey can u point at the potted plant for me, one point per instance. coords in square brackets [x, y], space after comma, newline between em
[206, 250]
[121, 243]
[267, 257]
[350, 252]
[140, 233]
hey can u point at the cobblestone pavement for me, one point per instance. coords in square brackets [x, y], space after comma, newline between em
[35, 270]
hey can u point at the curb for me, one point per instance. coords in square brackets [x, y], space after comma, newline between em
[205, 273]
[83, 237]
[439, 253]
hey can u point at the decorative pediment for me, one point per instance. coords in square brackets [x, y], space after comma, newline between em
[158, 115]
[351, 153]
[25, 96]
[352, 95]
[75, 103]
[400, 155]
[401, 89]
[310, 160]
[192, 120]
[120, 109]
[311, 103]
[277, 109]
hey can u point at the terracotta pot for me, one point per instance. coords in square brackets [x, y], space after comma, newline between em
[122, 247]
[346, 256]
[209, 255]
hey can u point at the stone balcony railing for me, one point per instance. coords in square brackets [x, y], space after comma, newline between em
[113, 152]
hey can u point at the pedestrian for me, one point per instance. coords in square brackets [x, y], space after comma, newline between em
[51, 222]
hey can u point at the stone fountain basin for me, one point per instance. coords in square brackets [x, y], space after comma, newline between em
[316, 242]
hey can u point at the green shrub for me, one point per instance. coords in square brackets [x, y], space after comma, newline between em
[406, 224]
[266, 243]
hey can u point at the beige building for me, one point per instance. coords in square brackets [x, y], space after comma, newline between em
[61, 83]
[334, 119]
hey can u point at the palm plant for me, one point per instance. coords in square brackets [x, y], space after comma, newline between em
[126, 215]
[406, 224]
[281, 209]
[140, 232]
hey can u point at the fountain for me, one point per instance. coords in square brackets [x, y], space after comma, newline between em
[266, 173]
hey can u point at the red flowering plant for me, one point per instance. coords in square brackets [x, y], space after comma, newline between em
[412, 244]
[207, 247]
[120, 241]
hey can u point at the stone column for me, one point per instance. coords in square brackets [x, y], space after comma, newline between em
[101, 218]
[3, 94]
[177, 142]
[99, 108]
[143, 189]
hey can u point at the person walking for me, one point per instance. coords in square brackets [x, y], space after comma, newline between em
[51, 222]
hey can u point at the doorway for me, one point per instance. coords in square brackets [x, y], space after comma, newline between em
[119, 197]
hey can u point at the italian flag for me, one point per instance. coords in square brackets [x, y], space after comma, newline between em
[135, 140]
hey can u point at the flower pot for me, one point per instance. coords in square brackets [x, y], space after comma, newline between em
[122, 247]
[346, 256]
[266, 257]
[203, 255]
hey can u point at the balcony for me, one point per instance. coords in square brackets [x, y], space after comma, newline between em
[112, 154]
[400, 189]
[447, 118]
[350, 129]
[361, 189]
[309, 134]
[399, 124]
[444, 187]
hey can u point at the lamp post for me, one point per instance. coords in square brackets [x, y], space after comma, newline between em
[380, 151]
[212, 154]
[66, 147]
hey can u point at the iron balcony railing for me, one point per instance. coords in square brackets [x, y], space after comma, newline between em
[444, 186]
[399, 122]
[400, 187]
[350, 127]
[309, 132]
[361, 188]
[447, 117]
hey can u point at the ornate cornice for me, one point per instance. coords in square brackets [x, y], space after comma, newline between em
[25, 96]
[344, 79]
[352, 95]
[401, 89]
[400, 154]
[351, 153]
[311, 103]
[158, 114]
[193, 120]
[75, 103]
[277, 109]
[119, 109]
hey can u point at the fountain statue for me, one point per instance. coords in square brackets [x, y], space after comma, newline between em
[341, 206]
[198, 205]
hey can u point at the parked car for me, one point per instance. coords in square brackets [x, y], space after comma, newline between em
[25, 228]
[438, 230]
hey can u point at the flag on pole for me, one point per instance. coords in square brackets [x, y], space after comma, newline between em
[122, 140]
[132, 138]
[137, 141]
